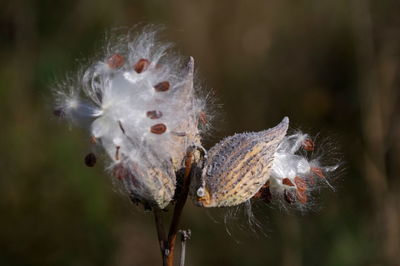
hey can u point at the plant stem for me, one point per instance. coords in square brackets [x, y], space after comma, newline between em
[167, 246]
[173, 229]
[160, 233]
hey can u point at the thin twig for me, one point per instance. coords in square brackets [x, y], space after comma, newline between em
[173, 230]
[185, 235]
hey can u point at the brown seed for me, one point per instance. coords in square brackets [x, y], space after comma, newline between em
[264, 193]
[300, 183]
[141, 65]
[158, 129]
[90, 159]
[162, 86]
[301, 196]
[287, 182]
[308, 145]
[154, 114]
[317, 171]
[203, 118]
[116, 61]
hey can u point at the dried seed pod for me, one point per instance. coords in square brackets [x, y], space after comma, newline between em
[90, 160]
[162, 86]
[156, 187]
[115, 100]
[116, 61]
[186, 131]
[141, 65]
[238, 166]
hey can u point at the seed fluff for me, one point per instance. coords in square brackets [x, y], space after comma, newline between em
[139, 104]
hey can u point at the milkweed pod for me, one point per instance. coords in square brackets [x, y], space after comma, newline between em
[237, 167]
[153, 186]
[186, 131]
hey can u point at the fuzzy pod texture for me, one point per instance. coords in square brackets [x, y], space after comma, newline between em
[237, 167]
[139, 104]
[264, 165]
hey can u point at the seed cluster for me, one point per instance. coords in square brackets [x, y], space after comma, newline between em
[140, 105]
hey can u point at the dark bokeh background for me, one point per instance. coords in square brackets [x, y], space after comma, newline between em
[332, 66]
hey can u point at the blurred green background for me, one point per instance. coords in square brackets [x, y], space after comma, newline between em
[332, 66]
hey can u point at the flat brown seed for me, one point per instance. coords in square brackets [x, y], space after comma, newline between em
[90, 159]
[287, 182]
[267, 196]
[141, 65]
[300, 183]
[154, 114]
[301, 196]
[158, 129]
[162, 86]
[308, 145]
[203, 118]
[317, 171]
[116, 61]
[264, 193]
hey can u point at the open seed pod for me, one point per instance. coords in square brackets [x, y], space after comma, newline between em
[237, 167]
[186, 131]
[138, 103]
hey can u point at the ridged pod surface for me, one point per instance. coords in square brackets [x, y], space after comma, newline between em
[237, 167]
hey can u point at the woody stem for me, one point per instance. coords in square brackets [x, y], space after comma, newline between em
[173, 229]
[167, 245]
[160, 233]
